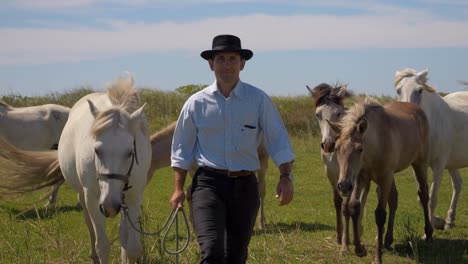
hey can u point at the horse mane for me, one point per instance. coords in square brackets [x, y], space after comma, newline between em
[357, 112]
[123, 96]
[408, 72]
[163, 133]
[327, 93]
[5, 105]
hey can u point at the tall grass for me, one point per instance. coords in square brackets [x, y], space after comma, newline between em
[302, 232]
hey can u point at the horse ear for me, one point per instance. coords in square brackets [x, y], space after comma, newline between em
[422, 75]
[93, 108]
[343, 92]
[362, 126]
[310, 90]
[138, 113]
[334, 126]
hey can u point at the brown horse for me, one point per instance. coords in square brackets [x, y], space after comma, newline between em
[374, 143]
[161, 148]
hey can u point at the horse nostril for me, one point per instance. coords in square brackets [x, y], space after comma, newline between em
[101, 208]
[322, 145]
[340, 186]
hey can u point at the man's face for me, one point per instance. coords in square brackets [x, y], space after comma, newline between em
[227, 66]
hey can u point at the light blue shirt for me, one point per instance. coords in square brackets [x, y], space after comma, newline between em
[224, 133]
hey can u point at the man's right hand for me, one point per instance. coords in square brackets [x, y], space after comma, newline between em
[177, 199]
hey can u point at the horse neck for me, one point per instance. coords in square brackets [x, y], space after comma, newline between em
[436, 109]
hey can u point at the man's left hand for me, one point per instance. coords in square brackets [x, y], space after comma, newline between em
[284, 191]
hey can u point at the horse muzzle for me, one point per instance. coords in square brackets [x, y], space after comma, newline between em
[345, 188]
[110, 210]
[328, 146]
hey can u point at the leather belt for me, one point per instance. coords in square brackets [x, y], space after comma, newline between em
[229, 173]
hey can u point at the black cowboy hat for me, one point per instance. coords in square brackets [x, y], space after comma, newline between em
[226, 43]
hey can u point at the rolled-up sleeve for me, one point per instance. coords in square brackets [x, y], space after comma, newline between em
[184, 140]
[275, 134]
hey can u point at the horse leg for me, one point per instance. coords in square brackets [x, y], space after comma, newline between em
[362, 202]
[456, 187]
[131, 247]
[97, 229]
[92, 237]
[345, 237]
[392, 205]
[420, 172]
[338, 201]
[53, 195]
[437, 172]
[385, 187]
[356, 208]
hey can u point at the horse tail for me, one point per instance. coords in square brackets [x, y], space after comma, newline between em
[24, 171]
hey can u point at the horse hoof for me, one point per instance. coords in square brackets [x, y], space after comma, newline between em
[360, 251]
[449, 226]
[438, 223]
[344, 252]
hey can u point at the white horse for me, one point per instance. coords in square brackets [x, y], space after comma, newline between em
[104, 154]
[34, 127]
[448, 119]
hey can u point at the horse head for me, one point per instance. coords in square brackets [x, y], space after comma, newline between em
[349, 148]
[115, 153]
[411, 86]
[329, 107]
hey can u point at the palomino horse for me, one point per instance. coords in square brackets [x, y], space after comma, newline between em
[34, 128]
[104, 154]
[447, 117]
[161, 148]
[374, 143]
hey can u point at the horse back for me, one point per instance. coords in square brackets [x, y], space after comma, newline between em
[409, 129]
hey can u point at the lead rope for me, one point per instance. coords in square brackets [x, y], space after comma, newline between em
[174, 213]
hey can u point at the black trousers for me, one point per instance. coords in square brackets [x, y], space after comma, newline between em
[224, 212]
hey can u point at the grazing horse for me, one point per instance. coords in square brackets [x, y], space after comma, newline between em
[104, 154]
[34, 128]
[448, 119]
[161, 148]
[374, 143]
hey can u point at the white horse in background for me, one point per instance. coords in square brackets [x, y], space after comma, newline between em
[34, 127]
[104, 154]
[448, 120]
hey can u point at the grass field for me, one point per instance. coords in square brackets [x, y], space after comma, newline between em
[302, 232]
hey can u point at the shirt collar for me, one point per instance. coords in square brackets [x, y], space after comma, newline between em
[238, 91]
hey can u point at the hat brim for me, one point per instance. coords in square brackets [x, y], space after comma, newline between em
[245, 53]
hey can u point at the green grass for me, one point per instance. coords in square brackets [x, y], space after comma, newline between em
[302, 232]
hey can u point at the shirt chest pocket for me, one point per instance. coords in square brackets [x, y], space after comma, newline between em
[246, 136]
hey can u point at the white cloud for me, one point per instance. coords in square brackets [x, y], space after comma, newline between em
[258, 32]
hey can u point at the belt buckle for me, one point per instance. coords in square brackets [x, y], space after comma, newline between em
[231, 176]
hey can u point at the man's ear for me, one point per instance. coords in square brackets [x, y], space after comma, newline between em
[210, 62]
[242, 64]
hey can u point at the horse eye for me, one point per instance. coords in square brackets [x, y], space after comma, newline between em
[338, 115]
[360, 149]
[398, 91]
[420, 91]
[318, 116]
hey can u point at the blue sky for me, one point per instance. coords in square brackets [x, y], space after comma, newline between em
[55, 46]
